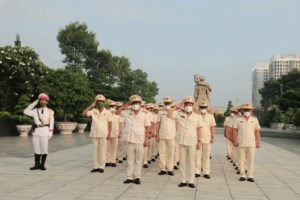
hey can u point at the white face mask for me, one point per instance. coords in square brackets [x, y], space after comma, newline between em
[135, 107]
[167, 107]
[203, 111]
[188, 109]
[232, 114]
[112, 109]
[246, 114]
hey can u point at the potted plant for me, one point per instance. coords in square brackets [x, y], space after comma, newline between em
[23, 124]
[82, 123]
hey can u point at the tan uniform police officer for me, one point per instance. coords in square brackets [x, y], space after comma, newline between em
[135, 133]
[100, 131]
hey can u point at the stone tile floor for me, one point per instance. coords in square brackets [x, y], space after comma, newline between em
[277, 175]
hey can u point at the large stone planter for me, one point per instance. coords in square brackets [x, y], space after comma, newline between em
[81, 127]
[23, 129]
[289, 126]
[66, 128]
[277, 125]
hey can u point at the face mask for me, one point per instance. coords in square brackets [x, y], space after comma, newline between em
[135, 107]
[232, 114]
[100, 105]
[42, 104]
[203, 111]
[246, 114]
[167, 107]
[112, 109]
[188, 109]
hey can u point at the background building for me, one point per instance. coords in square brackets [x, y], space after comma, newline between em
[283, 63]
[259, 76]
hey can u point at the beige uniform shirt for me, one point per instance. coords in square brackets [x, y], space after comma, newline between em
[115, 125]
[208, 120]
[100, 122]
[187, 128]
[245, 130]
[135, 126]
[167, 129]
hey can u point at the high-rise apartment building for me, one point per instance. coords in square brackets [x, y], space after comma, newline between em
[279, 65]
[259, 76]
[283, 63]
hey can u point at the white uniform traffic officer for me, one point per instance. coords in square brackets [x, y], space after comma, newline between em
[189, 139]
[207, 138]
[247, 138]
[100, 131]
[43, 129]
[166, 139]
[135, 132]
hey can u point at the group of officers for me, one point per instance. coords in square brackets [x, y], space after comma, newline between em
[139, 132]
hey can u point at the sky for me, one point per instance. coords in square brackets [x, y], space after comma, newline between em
[171, 40]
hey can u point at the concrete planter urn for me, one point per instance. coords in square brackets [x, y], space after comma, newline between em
[289, 126]
[23, 129]
[66, 128]
[277, 125]
[81, 127]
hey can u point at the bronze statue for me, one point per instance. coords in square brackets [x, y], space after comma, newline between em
[202, 90]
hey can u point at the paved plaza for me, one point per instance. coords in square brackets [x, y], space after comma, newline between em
[277, 174]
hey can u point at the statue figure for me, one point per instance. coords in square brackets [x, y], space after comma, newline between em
[202, 89]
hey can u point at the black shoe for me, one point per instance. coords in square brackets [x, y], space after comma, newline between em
[162, 173]
[153, 160]
[120, 161]
[107, 164]
[236, 168]
[234, 164]
[156, 157]
[228, 158]
[171, 173]
[197, 175]
[242, 179]
[209, 157]
[101, 170]
[191, 185]
[231, 161]
[124, 158]
[175, 167]
[43, 161]
[37, 158]
[127, 181]
[145, 166]
[113, 164]
[238, 172]
[250, 179]
[182, 184]
[137, 181]
[95, 170]
[206, 176]
[149, 162]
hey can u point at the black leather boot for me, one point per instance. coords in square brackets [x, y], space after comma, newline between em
[37, 158]
[44, 157]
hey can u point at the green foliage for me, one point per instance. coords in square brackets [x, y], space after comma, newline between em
[21, 72]
[21, 119]
[229, 106]
[77, 44]
[5, 115]
[220, 118]
[297, 118]
[23, 102]
[69, 92]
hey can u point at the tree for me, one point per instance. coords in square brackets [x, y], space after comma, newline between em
[69, 92]
[229, 106]
[77, 44]
[21, 72]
